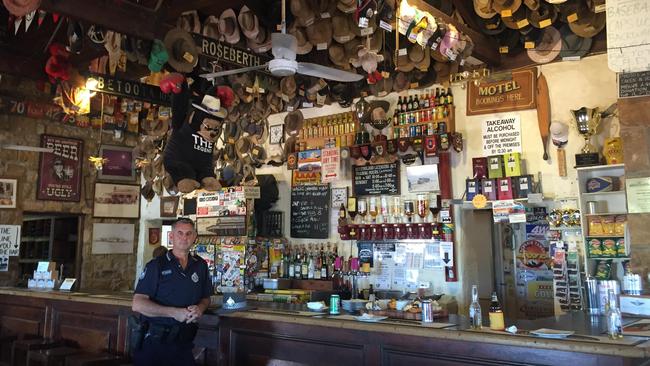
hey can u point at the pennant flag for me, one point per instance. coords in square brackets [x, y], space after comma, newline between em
[17, 23]
[29, 18]
[55, 16]
[41, 17]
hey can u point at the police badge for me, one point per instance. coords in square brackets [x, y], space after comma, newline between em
[195, 277]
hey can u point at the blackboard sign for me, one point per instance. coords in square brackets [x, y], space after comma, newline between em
[633, 84]
[310, 211]
[378, 179]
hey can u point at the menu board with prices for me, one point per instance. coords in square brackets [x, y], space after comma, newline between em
[310, 210]
[376, 179]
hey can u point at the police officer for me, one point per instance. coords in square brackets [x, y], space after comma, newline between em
[172, 293]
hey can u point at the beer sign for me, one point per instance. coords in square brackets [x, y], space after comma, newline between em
[517, 93]
[59, 174]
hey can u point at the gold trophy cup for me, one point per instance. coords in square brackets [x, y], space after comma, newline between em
[587, 121]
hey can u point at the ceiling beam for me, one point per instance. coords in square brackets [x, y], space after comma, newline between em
[485, 48]
[173, 9]
[466, 11]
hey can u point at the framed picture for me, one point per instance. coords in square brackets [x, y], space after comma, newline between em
[168, 206]
[119, 163]
[59, 173]
[117, 200]
[154, 236]
[423, 178]
[339, 197]
[113, 238]
[8, 191]
[276, 134]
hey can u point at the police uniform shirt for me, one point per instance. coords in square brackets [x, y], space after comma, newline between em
[167, 284]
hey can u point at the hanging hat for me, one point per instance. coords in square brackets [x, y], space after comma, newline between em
[211, 105]
[189, 22]
[182, 51]
[293, 122]
[533, 4]
[147, 191]
[347, 6]
[572, 44]
[302, 10]
[571, 10]
[426, 79]
[376, 41]
[261, 43]
[510, 41]
[20, 8]
[158, 57]
[248, 22]
[337, 56]
[304, 46]
[377, 112]
[156, 127]
[352, 49]
[274, 102]
[288, 86]
[211, 27]
[324, 8]
[483, 9]
[97, 34]
[544, 16]
[383, 87]
[228, 27]
[443, 69]
[518, 20]
[402, 82]
[555, 2]
[420, 57]
[320, 32]
[532, 38]
[559, 133]
[548, 48]
[450, 42]
[589, 24]
[492, 26]
[341, 28]
[506, 7]
[75, 36]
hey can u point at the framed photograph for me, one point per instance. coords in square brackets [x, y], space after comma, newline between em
[113, 238]
[339, 197]
[8, 191]
[119, 163]
[117, 200]
[276, 134]
[168, 206]
[154, 236]
[59, 173]
[423, 178]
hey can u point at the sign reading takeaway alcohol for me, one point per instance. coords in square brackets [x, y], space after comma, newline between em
[515, 94]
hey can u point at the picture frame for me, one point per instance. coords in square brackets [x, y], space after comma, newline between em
[119, 164]
[113, 238]
[276, 134]
[423, 178]
[59, 171]
[116, 200]
[339, 197]
[8, 193]
[168, 206]
[154, 236]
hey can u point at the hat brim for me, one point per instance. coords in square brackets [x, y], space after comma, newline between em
[221, 113]
[181, 65]
[547, 52]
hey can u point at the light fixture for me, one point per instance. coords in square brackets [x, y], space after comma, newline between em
[475, 76]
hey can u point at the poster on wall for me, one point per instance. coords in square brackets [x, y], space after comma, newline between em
[309, 168]
[9, 244]
[113, 238]
[628, 39]
[501, 135]
[331, 165]
[535, 273]
[513, 94]
[59, 173]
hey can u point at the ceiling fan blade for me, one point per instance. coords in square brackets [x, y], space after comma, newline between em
[214, 75]
[329, 73]
[26, 148]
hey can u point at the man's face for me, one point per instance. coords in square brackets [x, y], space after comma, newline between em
[211, 129]
[58, 168]
[183, 236]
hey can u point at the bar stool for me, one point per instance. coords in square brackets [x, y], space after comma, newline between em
[22, 346]
[94, 359]
[50, 357]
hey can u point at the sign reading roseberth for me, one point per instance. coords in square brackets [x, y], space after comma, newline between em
[59, 174]
[517, 93]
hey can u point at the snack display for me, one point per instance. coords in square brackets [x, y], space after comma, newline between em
[621, 250]
[619, 225]
[603, 269]
[594, 248]
[595, 226]
[609, 248]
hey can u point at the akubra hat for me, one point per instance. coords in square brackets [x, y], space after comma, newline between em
[504, 6]
[302, 10]
[293, 122]
[341, 28]
[518, 20]
[544, 16]
[510, 39]
[182, 50]
[337, 56]
[402, 82]
[261, 43]
[492, 26]
[375, 104]
[320, 32]
[420, 57]
[443, 69]
[211, 27]
[483, 8]
[189, 22]
[383, 87]
[228, 26]
[288, 86]
[352, 48]
[248, 22]
[532, 38]
[548, 48]
[590, 25]
[304, 46]
[20, 8]
[571, 10]
[347, 6]
[572, 44]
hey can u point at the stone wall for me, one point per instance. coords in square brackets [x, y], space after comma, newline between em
[105, 272]
[635, 132]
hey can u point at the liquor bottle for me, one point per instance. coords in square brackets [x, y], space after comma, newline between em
[371, 296]
[614, 330]
[292, 272]
[352, 207]
[297, 266]
[304, 269]
[285, 263]
[443, 97]
[403, 105]
[496, 314]
[311, 266]
[399, 104]
[475, 318]
[425, 100]
[416, 103]
[450, 97]
[435, 98]
[409, 105]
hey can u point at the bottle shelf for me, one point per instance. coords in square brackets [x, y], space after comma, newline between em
[605, 236]
[601, 167]
[607, 214]
[608, 258]
[610, 193]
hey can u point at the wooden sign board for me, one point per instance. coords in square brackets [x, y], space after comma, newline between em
[503, 96]
[377, 179]
[130, 89]
[310, 211]
[633, 84]
[212, 50]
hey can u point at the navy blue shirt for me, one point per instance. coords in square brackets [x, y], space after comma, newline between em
[167, 284]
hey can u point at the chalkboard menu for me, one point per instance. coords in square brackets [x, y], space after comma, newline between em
[310, 211]
[375, 179]
[633, 84]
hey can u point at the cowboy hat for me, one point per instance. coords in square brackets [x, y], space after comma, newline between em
[336, 54]
[189, 22]
[341, 31]
[304, 46]
[402, 82]
[232, 132]
[211, 27]
[543, 16]
[510, 41]
[492, 26]
[532, 38]
[506, 7]
[347, 6]
[518, 19]
[274, 102]
[419, 57]
[248, 22]
[352, 49]
[182, 51]
[20, 8]
[228, 27]
[293, 122]
[426, 78]
[450, 42]
[443, 69]
[156, 127]
[590, 25]
[532, 4]
[261, 42]
[383, 87]
[483, 9]
[320, 32]
[548, 48]
[377, 111]
[302, 10]
[288, 86]
[572, 44]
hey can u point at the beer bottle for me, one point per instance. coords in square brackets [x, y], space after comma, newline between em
[450, 97]
[496, 314]
[416, 103]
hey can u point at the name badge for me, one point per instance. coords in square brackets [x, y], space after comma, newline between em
[166, 272]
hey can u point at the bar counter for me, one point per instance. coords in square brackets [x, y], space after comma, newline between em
[283, 334]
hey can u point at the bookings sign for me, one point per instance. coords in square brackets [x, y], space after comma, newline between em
[503, 96]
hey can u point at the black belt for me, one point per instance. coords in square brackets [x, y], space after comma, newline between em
[172, 333]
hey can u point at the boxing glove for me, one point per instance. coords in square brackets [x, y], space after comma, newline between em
[172, 83]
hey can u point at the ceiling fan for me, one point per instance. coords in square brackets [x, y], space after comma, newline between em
[26, 148]
[283, 47]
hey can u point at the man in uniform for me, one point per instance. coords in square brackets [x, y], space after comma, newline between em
[172, 293]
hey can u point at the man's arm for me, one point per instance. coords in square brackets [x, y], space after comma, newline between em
[197, 310]
[143, 305]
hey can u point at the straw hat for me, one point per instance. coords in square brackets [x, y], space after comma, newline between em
[182, 51]
[304, 46]
[302, 10]
[211, 27]
[20, 8]
[248, 22]
[228, 27]
[544, 16]
[320, 32]
[483, 9]
[572, 44]
[548, 48]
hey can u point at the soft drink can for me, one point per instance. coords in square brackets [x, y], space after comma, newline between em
[412, 131]
[335, 302]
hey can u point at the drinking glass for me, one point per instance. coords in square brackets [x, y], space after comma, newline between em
[372, 208]
[362, 209]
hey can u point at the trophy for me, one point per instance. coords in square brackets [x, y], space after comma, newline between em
[587, 121]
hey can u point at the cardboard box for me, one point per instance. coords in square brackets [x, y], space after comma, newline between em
[489, 189]
[522, 186]
[472, 187]
[495, 167]
[504, 191]
[512, 164]
[480, 168]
